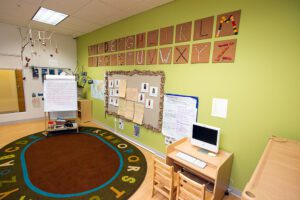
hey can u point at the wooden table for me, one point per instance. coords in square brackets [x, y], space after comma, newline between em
[217, 171]
[277, 175]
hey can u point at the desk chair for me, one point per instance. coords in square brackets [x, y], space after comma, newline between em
[187, 189]
[163, 179]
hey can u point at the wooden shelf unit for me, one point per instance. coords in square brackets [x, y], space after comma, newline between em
[84, 112]
[64, 128]
[217, 171]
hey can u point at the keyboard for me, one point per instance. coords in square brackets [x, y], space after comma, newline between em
[191, 159]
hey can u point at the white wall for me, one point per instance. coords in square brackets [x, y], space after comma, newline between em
[10, 51]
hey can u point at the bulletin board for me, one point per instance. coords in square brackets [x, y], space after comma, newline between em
[136, 96]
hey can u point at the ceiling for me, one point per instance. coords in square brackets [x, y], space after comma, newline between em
[84, 15]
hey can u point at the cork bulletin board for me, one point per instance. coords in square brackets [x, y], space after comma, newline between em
[136, 96]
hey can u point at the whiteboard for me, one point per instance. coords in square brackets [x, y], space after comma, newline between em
[60, 93]
[180, 112]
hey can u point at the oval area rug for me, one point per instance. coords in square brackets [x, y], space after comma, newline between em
[93, 164]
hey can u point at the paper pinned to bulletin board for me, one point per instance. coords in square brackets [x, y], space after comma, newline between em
[180, 112]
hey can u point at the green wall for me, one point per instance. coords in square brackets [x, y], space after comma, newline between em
[262, 85]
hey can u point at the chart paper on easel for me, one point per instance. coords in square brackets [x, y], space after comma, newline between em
[60, 93]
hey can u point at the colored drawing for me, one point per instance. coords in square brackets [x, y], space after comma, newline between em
[165, 55]
[139, 57]
[181, 54]
[183, 32]
[140, 40]
[228, 24]
[151, 57]
[203, 28]
[200, 52]
[152, 38]
[224, 51]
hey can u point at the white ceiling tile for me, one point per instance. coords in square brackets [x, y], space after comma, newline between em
[65, 6]
[96, 11]
[85, 15]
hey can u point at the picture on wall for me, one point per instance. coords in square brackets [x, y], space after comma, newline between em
[165, 55]
[130, 58]
[141, 97]
[145, 87]
[203, 28]
[121, 59]
[113, 46]
[152, 38]
[181, 54]
[121, 44]
[228, 23]
[140, 57]
[200, 52]
[130, 42]
[100, 61]
[151, 57]
[140, 40]
[114, 59]
[100, 48]
[183, 32]
[166, 35]
[224, 51]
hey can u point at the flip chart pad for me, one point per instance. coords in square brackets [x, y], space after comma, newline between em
[60, 93]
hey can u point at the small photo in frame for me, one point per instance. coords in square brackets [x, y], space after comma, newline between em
[149, 103]
[111, 92]
[145, 87]
[141, 97]
[153, 91]
[111, 84]
[116, 92]
[111, 101]
[116, 102]
[117, 81]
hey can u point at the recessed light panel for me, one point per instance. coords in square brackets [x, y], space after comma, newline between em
[47, 16]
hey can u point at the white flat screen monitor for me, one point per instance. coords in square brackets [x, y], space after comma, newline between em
[206, 137]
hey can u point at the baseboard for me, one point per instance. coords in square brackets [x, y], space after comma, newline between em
[154, 151]
[22, 120]
[231, 190]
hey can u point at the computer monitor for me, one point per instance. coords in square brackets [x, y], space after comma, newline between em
[206, 137]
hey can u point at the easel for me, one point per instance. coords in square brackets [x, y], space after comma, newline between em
[60, 95]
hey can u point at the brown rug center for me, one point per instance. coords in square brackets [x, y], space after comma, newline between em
[70, 163]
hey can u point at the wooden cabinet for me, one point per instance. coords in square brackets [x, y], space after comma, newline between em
[84, 110]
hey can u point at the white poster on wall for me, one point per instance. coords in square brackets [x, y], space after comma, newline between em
[97, 89]
[180, 112]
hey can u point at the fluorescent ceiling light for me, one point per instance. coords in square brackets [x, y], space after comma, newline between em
[47, 16]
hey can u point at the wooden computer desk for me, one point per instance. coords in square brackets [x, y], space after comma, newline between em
[217, 171]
